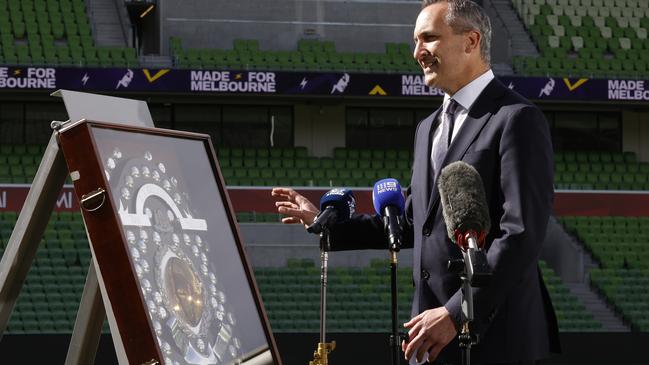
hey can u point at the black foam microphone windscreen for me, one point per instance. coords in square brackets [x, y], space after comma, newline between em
[464, 204]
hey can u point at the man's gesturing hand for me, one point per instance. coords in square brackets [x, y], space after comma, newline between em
[298, 208]
[429, 332]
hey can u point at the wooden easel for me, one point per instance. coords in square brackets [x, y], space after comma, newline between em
[35, 214]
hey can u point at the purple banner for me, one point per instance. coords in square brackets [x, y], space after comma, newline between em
[299, 83]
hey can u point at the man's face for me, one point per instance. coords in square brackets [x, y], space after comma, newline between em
[439, 51]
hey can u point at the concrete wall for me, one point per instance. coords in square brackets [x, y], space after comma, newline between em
[354, 25]
[279, 24]
[320, 128]
[563, 254]
[500, 48]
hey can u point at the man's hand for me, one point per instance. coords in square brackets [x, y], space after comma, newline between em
[430, 331]
[298, 208]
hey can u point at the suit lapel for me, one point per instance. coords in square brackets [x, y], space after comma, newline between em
[478, 116]
[423, 149]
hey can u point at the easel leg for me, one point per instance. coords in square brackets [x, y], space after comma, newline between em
[87, 326]
[30, 227]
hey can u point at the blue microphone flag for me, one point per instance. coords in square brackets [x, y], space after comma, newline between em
[387, 192]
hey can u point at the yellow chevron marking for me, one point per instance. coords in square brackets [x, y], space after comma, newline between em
[157, 75]
[377, 90]
[574, 86]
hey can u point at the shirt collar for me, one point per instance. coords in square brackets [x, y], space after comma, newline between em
[467, 95]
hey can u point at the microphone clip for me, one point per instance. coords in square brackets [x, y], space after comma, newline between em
[462, 238]
[325, 219]
[476, 268]
[393, 226]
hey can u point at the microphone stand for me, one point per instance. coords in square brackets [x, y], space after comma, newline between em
[394, 336]
[465, 337]
[474, 272]
[320, 355]
[394, 245]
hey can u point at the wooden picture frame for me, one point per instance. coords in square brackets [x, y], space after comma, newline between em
[176, 282]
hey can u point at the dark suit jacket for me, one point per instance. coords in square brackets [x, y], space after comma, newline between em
[507, 140]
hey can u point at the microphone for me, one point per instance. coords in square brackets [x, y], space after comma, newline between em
[336, 205]
[465, 211]
[388, 203]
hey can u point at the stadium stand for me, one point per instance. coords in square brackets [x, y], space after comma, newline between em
[575, 37]
[571, 314]
[616, 242]
[621, 246]
[19, 163]
[627, 291]
[311, 55]
[40, 32]
[359, 297]
[586, 38]
[50, 299]
[292, 166]
[600, 171]
[361, 167]
[354, 167]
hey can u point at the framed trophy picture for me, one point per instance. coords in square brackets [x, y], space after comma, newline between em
[175, 280]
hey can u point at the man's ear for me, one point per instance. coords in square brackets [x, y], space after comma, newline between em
[472, 41]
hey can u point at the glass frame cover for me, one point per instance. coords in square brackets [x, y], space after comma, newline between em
[166, 246]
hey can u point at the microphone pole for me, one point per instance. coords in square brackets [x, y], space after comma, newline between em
[388, 202]
[395, 336]
[474, 272]
[394, 246]
[464, 268]
[320, 355]
[336, 205]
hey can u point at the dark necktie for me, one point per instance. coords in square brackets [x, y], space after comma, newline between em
[441, 147]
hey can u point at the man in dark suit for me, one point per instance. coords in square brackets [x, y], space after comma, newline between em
[502, 135]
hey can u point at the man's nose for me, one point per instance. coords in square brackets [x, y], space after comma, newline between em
[417, 51]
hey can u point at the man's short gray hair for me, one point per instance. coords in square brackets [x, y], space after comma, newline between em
[466, 15]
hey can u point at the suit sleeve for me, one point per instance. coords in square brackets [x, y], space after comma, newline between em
[366, 231]
[526, 183]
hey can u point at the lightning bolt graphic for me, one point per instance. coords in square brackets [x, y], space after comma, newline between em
[303, 83]
[511, 86]
[85, 79]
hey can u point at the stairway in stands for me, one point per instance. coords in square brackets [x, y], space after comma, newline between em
[597, 307]
[522, 44]
[615, 260]
[106, 20]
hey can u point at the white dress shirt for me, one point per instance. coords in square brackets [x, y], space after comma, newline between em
[465, 97]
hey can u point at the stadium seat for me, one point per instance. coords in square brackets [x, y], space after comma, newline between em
[291, 297]
[311, 55]
[37, 35]
[607, 34]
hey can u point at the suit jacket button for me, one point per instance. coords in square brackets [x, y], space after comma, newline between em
[425, 274]
[426, 232]
[492, 315]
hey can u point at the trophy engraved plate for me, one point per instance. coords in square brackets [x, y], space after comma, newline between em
[185, 257]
